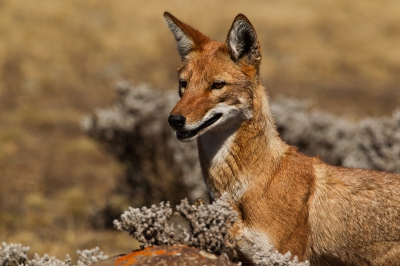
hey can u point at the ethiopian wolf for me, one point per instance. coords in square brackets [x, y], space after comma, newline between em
[322, 213]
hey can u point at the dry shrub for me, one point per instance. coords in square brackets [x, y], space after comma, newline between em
[372, 143]
[16, 254]
[136, 131]
[208, 230]
[159, 167]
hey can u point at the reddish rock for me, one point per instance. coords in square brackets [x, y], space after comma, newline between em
[167, 255]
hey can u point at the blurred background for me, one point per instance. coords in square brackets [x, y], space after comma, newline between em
[60, 59]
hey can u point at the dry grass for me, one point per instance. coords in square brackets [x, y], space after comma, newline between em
[59, 59]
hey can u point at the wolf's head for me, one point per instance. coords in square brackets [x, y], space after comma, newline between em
[217, 81]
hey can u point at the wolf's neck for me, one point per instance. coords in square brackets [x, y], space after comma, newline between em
[232, 156]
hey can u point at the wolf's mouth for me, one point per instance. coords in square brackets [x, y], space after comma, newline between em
[190, 133]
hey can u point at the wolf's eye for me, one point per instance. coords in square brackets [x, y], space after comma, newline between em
[182, 84]
[218, 85]
[182, 87]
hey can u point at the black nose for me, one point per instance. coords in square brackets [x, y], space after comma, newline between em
[176, 121]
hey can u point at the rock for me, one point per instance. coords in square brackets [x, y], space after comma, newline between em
[166, 255]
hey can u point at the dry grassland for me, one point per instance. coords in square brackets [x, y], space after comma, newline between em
[59, 59]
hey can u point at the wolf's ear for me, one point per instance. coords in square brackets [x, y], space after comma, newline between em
[242, 40]
[187, 38]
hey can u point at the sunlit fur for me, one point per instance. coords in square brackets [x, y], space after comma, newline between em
[328, 215]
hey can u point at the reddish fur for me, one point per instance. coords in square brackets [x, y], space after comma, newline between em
[329, 215]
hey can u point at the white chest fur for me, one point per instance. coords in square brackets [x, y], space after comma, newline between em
[252, 242]
[223, 173]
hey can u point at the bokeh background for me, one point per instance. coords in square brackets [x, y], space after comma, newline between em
[60, 59]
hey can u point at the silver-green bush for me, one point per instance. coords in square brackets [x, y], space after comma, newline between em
[161, 168]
